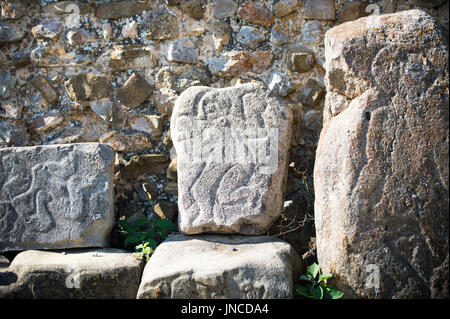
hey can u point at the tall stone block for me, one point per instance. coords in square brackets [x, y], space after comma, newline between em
[56, 196]
[232, 147]
[381, 170]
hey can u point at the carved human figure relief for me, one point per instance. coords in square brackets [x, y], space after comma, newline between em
[232, 146]
[51, 194]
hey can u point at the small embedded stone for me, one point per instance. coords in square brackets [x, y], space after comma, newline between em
[12, 9]
[250, 37]
[130, 30]
[7, 84]
[9, 34]
[280, 84]
[87, 87]
[150, 124]
[134, 91]
[77, 37]
[145, 164]
[352, 11]
[278, 37]
[319, 10]
[47, 30]
[256, 14]
[67, 7]
[221, 33]
[224, 9]
[300, 59]
[312, 92]
[312, 33]
[173, 2]
[172, 169]
[162, 26]
[284, 7]
[181, 50]
[193, 8]
[47, 121]
[47, 91]
[166, 210]
[234, 63]
[106, 31]
[119, 9]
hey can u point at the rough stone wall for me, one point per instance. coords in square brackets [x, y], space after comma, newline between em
[112, 73]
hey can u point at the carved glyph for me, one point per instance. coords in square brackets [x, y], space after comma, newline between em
[232, 147]
[52, 194]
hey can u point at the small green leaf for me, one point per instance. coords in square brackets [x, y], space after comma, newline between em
[151, 233]
[131, 240]
[141, 235]
[152, 243]
[307, 278]
[162, 234]
[303, 291]
[123, 224]
[323, 277]
[333, 293]
[313, 270]
[318, 292]
[140, 222]
[165, 224]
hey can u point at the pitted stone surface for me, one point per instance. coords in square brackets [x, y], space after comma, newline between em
[221, 189]
[75, 273]
[218, 266]
[381, 171]
[56, 196]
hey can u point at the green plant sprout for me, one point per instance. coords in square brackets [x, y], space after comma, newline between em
[145, 235]
[143, 251]
[316, 285]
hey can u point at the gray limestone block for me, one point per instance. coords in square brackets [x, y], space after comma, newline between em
[56, 196]
[381, 170]
[72, 274]
[218, 266]
[232, 146]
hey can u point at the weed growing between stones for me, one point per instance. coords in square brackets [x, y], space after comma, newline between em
[316, 286]
[144, 235]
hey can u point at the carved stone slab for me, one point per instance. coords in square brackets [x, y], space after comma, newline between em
[56, 196]
[220, 266]
[232, 147]
[381, 170]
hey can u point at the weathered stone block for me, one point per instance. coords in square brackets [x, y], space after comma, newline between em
[57, 196]
[234, 63]
[381, 171]
[87, 87]
[77, 273]
[134, 91]
[125, 57]
[211, 266]
[319, 10]
[250, 37]
[232, 147]
[224, 9]
[255, 13]
[47, 91]
[119, 9]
